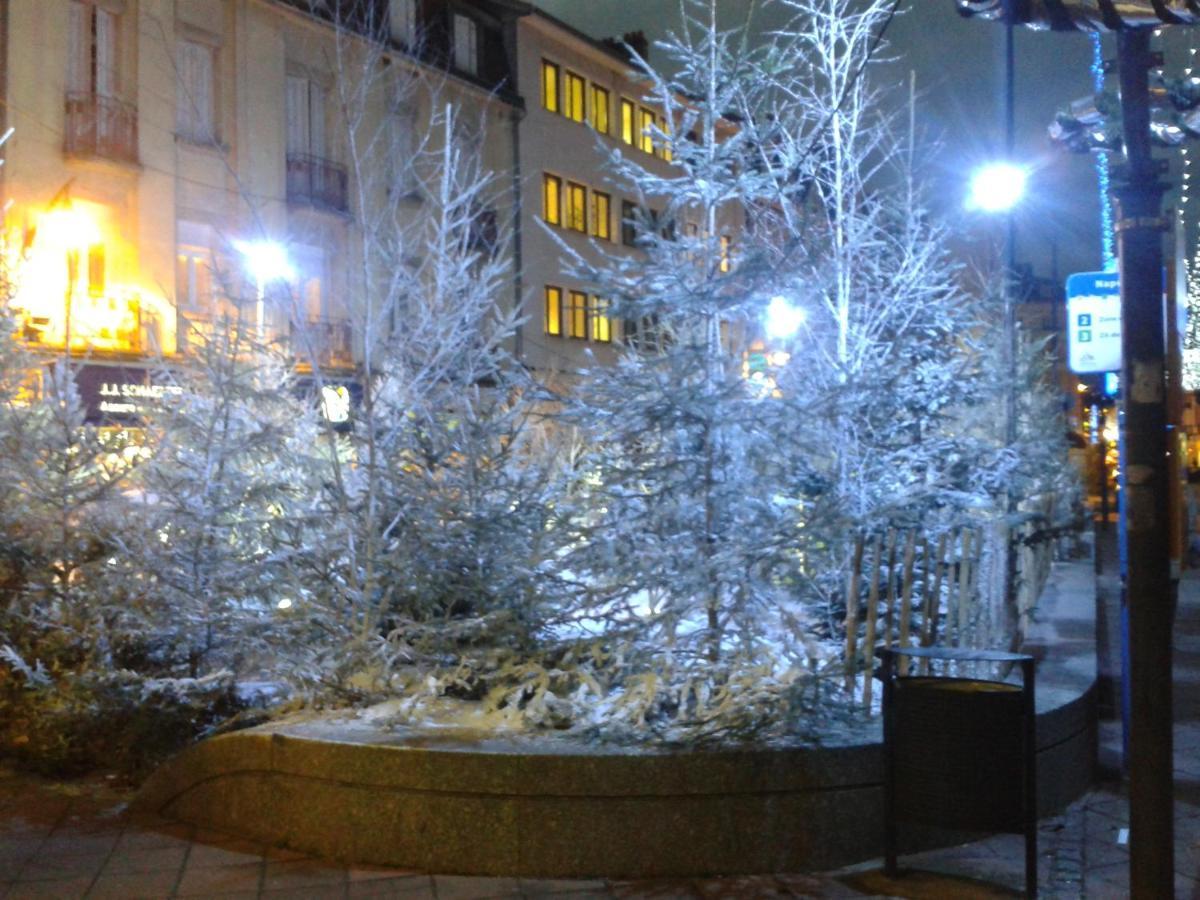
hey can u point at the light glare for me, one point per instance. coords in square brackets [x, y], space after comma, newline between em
[266, 260]
[997, 187]
[783, 319]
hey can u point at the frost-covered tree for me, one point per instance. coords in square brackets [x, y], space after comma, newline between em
[721, 510]
[61, 502]
[432, 518]
[224, 489]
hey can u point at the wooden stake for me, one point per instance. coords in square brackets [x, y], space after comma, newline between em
[929, 596]
[852, 578]
[872, 614]
[910, 548]
[964, 585]
[890, 610]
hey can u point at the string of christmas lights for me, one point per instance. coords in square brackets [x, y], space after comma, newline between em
[1107, 246]
[1191, 337]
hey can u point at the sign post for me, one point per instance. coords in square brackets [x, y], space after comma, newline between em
[1094, 322]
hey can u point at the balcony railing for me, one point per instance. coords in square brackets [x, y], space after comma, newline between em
[326, 342]
[112, 323]
[100, 127]
[317, 182]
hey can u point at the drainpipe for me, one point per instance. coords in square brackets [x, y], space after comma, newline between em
[518, 262]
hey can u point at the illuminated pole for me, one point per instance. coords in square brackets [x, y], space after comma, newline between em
[267, 261]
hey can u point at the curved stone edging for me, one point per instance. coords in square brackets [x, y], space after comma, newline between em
[539, 813]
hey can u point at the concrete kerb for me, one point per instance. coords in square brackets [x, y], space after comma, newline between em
[455, 804]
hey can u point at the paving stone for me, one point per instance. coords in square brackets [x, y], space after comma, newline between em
[463, 887]
[408, 887]
[222, 855]
[133, 886]
[550, 887]
[304, 873]
[375, 873]
[207, 881]
[74, 843]
[128, 861]
[59, 889]
[43, 867]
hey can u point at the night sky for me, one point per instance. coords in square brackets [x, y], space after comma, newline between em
[959, 72]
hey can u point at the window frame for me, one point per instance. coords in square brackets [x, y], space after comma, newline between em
[194, 122]
[571, 82]
[578, 223]
[629, 233]
[577, 315]
[646, 123]
[402, 22]
[465, 41]
[93, 49]
[725, 259]
[598, 199]
[552, 310]
[552, 102]
[601, 111]
[599, 320]
[628, 122]
[556, 181]
[664, 146]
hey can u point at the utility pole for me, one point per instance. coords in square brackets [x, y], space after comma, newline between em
[1139, 230]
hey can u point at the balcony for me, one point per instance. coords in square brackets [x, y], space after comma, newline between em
[326, 342]
[100, 127]
[110, 323]
[319, 183]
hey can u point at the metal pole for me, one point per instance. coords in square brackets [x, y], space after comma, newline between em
[1010, 244]
[1139, 228]
[260, 311]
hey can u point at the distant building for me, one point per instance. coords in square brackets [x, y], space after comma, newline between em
[152, 136]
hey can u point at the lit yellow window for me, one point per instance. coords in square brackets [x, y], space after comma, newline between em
[574, 97]
[600, 108]
[601, 323]
[601, 215]
[552, 199]
[664, 147]
[627, 122]
[577, 314]
[576, 206]
[550, 86]
[553, 310]
[726, 261]
[646, 133]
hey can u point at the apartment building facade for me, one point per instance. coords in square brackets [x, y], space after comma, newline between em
[155, 140]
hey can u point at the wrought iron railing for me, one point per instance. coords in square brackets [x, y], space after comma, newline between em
[100, 126]
[317, 182]
[327, 343]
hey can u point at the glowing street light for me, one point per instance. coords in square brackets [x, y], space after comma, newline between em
[267, 261]
[783, 319]
[997, 187]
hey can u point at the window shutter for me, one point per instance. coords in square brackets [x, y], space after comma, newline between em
[202, 61]
[106, 53]
[297, 115]
[78, 49]
[316, 119]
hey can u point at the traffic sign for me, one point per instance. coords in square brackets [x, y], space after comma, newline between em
[1094, 322]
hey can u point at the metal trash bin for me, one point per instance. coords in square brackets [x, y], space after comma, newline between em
[960, 752]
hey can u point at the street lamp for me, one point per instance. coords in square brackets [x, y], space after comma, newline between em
[997, 187]
[267, 261]
[783, 319]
